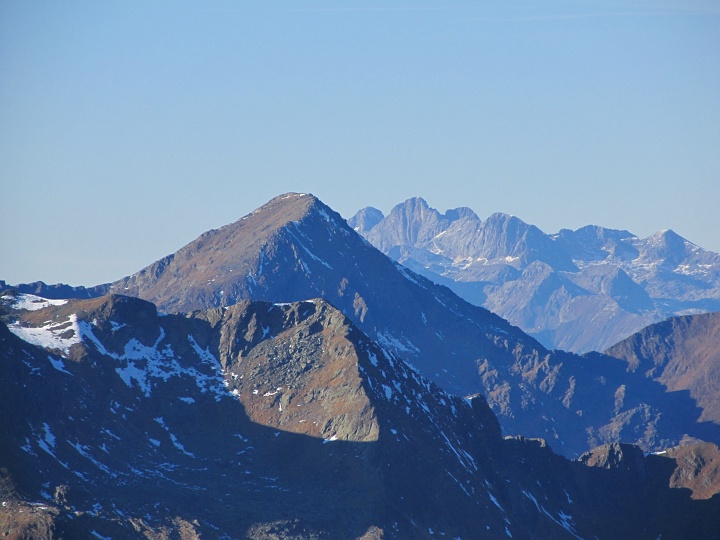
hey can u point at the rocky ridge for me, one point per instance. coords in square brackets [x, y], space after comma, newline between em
[294, 424]
[680, 353]
[295, 248]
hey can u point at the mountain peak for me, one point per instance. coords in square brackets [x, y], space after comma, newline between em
[453, 214]
[668, 246]
[411, 223]
[223, 266]
[418, 204]
[364, 220]
[415, 201]
[291, 195]
[295, 207]
[502, 217]
[667, 235]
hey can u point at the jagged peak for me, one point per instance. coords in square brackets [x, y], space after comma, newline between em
[410, 207]
[414, 201]
[614, 456]
[597, 231]
[509, 222]
[365, 219]
[454, 214]
[502, 217]
[418, 203]
[669, 237]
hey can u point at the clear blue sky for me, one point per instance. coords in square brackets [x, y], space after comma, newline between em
[129, 128]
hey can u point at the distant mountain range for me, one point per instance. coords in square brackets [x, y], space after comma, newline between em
[580, 291]
[263, 420]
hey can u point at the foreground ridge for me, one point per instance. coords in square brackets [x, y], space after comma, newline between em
[293, 423]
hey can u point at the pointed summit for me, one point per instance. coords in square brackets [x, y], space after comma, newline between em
[295, 248]
[365, 219]
[667, 246]
[504, 236]
[411, 223]
[296, 207]
[224, 265]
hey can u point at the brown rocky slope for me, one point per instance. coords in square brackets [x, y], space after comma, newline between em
[284, 421]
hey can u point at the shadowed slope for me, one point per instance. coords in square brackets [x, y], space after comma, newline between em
[283, 421]
[682, 353]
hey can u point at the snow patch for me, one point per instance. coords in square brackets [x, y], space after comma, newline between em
[302, 245]
[408, 274]
[117, 326]
[53, 335]
[173, 438]
[373, 358]
[30, 302]
[83, 451]
[47, 444]
[564, 520]
[494, 501]
[49, 437]
[391, 342]
[58, 364]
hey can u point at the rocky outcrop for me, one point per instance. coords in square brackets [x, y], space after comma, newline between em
[697, 468]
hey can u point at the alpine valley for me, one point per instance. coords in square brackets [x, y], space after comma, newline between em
[281, 377]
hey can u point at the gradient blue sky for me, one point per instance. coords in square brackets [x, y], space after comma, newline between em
[129, 128]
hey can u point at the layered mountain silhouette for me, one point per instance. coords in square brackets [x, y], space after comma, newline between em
[580, 291]
[295, 248]
[265, 420]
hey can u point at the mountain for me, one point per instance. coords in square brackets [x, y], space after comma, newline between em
[295, 248]
[681, 353]
[365, 219]
[579, 291]
[263, 420]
